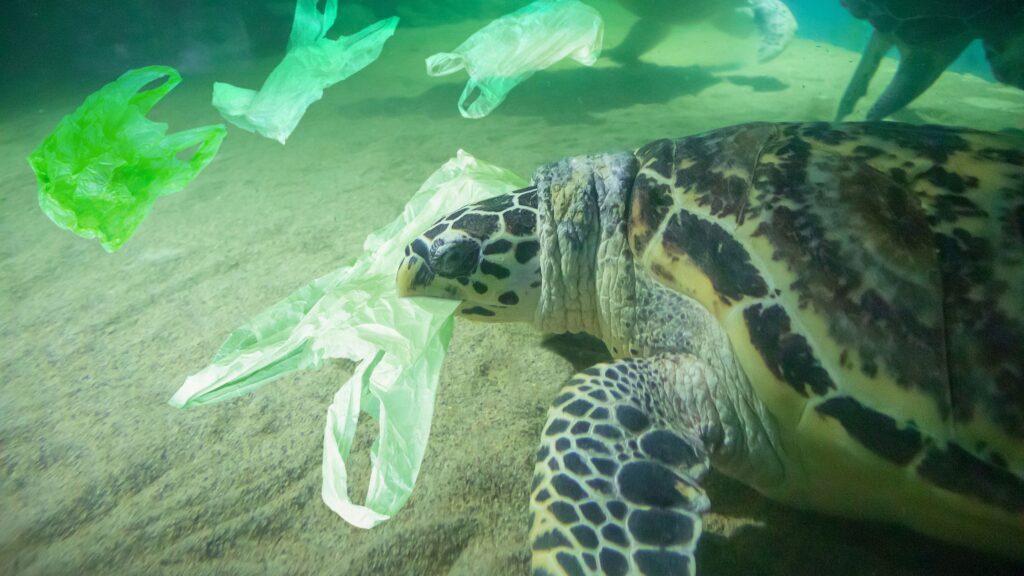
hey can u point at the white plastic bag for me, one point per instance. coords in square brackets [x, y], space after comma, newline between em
[312, 64]
[355, 313]
[509, 50]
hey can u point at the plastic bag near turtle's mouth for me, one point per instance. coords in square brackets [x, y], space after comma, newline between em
[355, 312]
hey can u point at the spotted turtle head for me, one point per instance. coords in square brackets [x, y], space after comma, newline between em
[487, 255]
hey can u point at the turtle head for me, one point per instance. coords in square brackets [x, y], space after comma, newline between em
[553, 254]
[485, 255]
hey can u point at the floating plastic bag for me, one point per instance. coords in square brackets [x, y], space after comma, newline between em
[312, 64]
[104, 166]
[509, 50]
[355, 313]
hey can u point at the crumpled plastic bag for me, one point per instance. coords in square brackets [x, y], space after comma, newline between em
[312, 64]
[104, 165]
[509, 50]
[355, 313]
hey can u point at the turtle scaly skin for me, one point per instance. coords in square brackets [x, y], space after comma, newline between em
[829, 313]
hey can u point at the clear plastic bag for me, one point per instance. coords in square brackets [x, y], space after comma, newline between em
[104, 165]
[509, 50]
[355, 313]
[312, 64]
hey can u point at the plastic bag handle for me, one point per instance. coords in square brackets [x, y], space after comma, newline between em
[310, 25]
[133, 80]
[481, 106]
[445, 63]
[208, 138]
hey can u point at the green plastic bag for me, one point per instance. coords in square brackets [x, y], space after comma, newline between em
[355, 313]
[104, 166]
[312, 64]
[510, 49]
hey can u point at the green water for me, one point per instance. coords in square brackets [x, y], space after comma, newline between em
[98, 475]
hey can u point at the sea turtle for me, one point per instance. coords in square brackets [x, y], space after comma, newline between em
[830, 313]
[930, 35]
[773, 19]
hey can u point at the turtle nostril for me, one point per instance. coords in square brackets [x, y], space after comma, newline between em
[451, 259]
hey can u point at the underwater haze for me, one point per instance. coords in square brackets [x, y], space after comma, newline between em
[99, 475]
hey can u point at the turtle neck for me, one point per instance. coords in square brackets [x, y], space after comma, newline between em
[586, 264]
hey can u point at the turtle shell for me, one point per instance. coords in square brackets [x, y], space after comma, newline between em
[931, 21]
[870, 273]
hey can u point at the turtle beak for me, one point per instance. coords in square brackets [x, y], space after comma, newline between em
[414, 277]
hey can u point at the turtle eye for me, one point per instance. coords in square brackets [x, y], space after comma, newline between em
[452, 259]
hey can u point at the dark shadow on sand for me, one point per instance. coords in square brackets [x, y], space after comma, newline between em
[796, 543]
[758, 83]
[569, 96]
[581, 350]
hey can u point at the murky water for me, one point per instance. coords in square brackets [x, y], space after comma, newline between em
[98, 475]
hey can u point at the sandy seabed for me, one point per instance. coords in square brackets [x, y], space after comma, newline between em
[98, 475]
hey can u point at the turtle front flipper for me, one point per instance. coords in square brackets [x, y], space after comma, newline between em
[645, 34]
[919, 68]
[616, 491]
[777, 25]
[869, 61]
